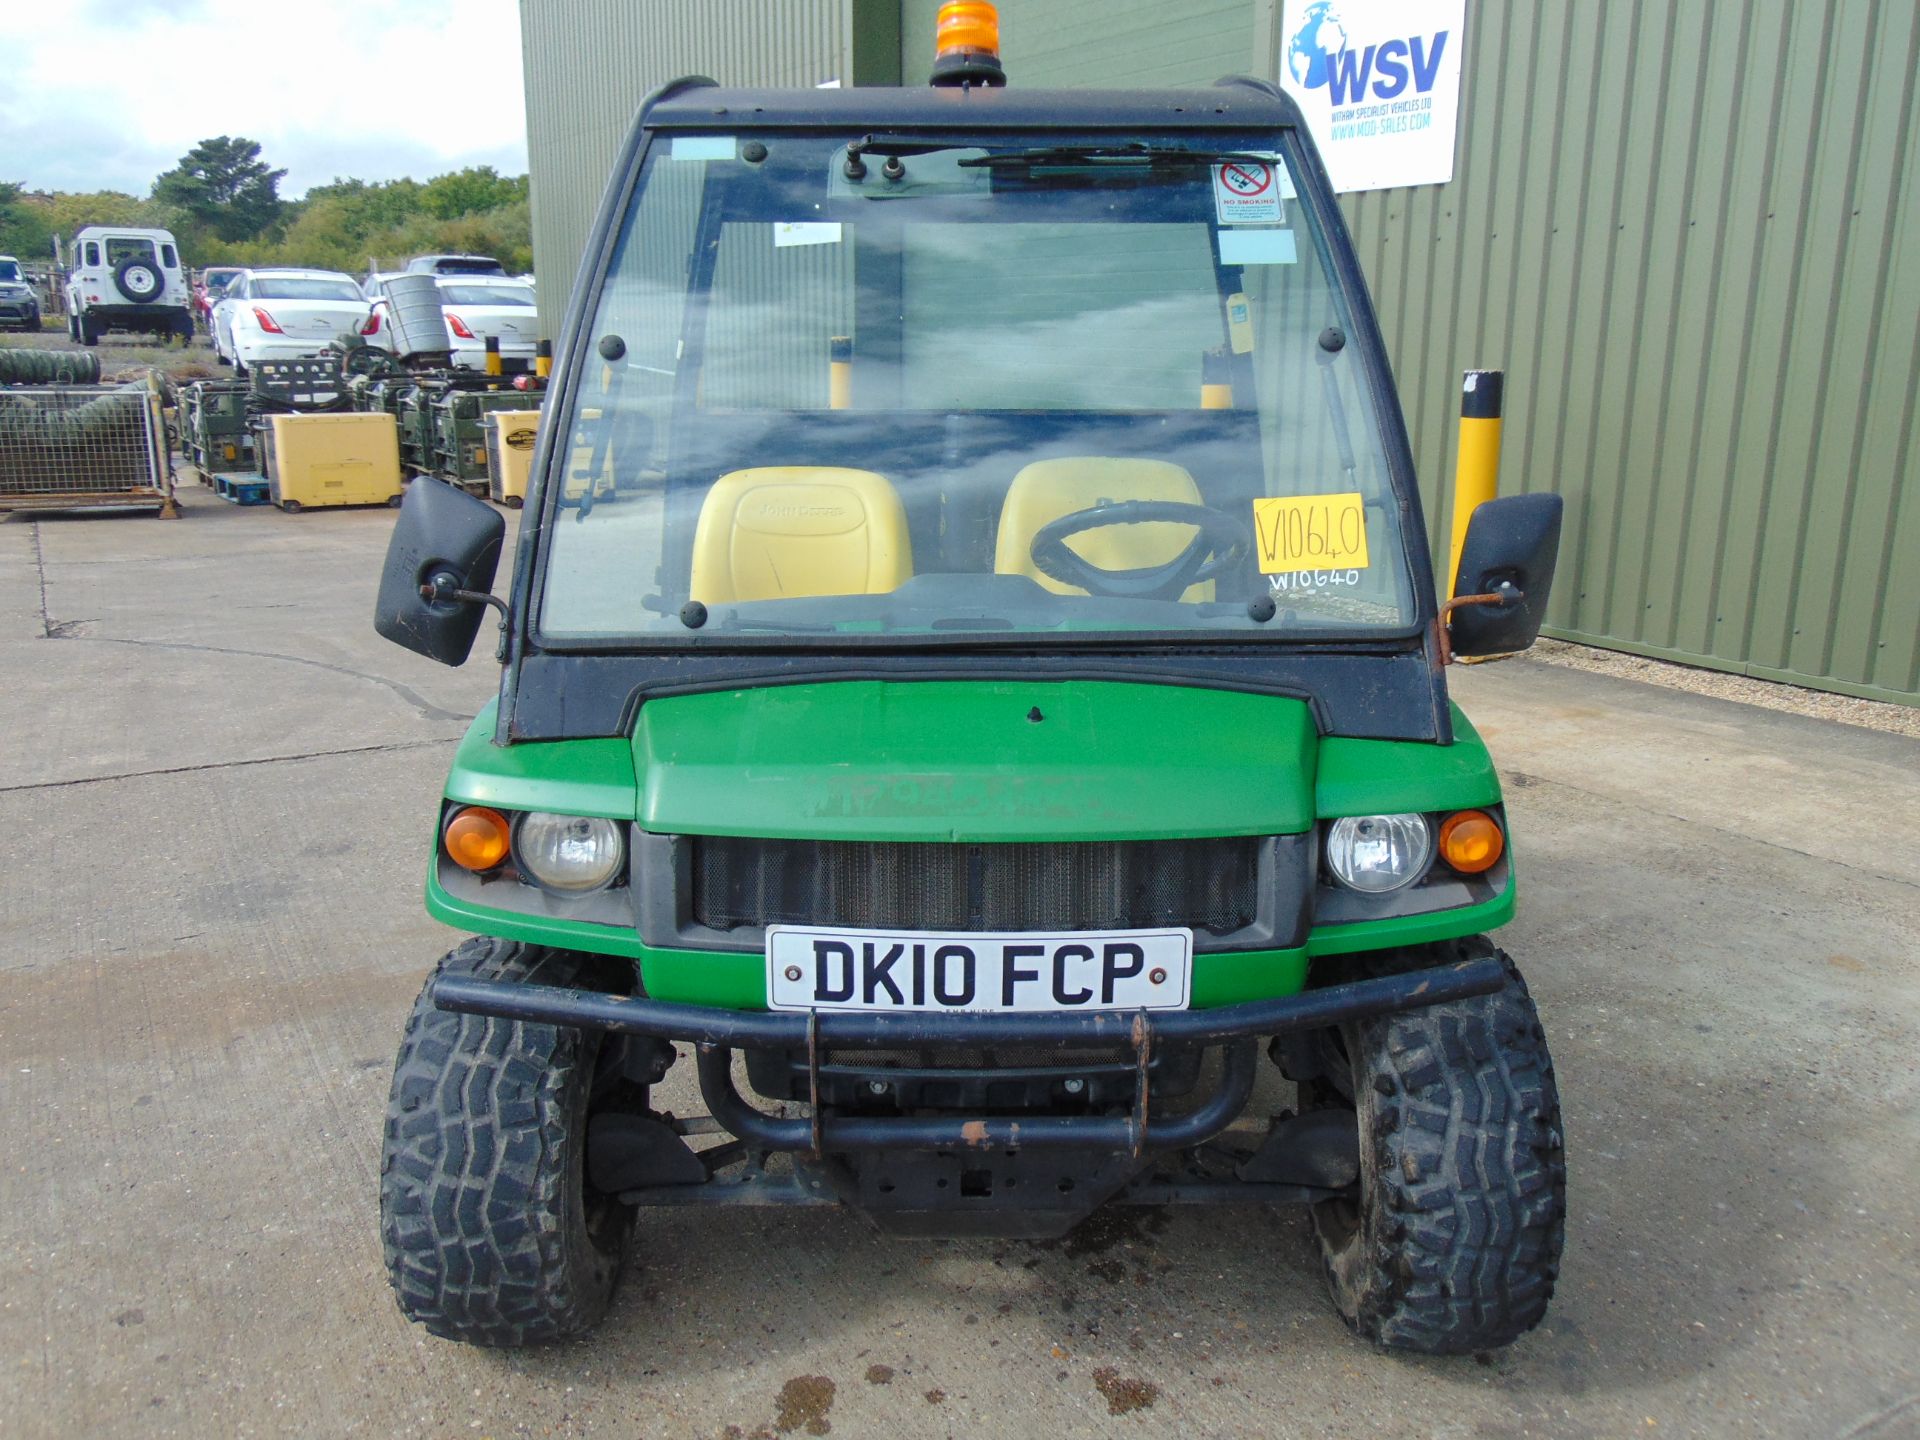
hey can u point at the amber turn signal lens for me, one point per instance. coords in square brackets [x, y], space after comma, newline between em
[967, 25]
[1470, 841]
[477, 838]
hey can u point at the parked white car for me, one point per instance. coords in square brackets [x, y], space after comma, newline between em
[283, 315]
[125, 278]
[476, 307]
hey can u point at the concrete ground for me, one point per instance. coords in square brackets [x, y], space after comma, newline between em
[215, 785]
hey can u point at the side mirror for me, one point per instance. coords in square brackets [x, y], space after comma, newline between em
[1509, 551]
[440, 563]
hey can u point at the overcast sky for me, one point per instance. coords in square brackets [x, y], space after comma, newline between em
[106, 94]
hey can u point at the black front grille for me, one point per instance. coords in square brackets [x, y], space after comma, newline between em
[1210, 884]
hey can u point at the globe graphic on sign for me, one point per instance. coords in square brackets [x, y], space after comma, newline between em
[1320, 37]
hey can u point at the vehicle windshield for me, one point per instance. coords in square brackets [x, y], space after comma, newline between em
[968, 391]
[295, 287]
[9, 270]
[508, 295]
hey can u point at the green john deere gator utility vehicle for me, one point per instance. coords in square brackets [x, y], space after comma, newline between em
[973, 679]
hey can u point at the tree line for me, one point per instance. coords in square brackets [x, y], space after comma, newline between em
[223, 203]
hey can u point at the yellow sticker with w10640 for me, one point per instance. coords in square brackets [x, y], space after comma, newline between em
[1310, 532]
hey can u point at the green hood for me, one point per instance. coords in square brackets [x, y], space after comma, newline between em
[975, 761]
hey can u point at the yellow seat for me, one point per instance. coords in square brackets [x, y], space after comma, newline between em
[1048, 489]
[781, 531]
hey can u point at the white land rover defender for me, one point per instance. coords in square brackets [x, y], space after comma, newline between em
[126, 278]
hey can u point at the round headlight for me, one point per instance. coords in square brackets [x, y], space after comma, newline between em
[1378, 853]
[569, 853]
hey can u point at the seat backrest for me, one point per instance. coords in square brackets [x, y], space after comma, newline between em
[780, 531]
[1047, 489]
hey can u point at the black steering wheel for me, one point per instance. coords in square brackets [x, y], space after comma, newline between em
[1219, 542]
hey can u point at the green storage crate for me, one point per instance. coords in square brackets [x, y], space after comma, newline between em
[460, 430]
[213, 427]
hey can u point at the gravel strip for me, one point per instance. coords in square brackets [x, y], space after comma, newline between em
[1768, 694]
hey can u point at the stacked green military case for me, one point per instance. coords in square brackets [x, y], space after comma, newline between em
[213, 427]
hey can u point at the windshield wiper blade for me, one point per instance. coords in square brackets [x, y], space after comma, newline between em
[1134, 154]
[1131, 153]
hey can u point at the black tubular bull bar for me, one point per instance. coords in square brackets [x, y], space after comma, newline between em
[718, 1033]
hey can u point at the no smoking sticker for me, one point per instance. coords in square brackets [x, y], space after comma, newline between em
[1247, 192]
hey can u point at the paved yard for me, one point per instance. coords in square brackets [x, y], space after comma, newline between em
[215, 785]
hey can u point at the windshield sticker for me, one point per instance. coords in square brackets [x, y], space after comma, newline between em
[805, 232]
[1247, 192]
[703, 147]
[1239, 324]
[1306, 582]
[1310, 533]
[1258, 247]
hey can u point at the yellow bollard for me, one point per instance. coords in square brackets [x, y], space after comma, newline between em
[543, 359]
[1476, 469]
[1216, 380]
[840, 372]
[493, 355]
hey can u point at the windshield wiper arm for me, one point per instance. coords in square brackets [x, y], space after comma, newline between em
[903, 145]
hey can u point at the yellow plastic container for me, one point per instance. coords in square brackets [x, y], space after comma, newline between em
[510, 437]
[318, 460]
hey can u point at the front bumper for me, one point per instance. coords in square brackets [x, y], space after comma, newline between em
[718, 1032]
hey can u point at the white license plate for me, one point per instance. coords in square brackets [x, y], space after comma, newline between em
[813, 967]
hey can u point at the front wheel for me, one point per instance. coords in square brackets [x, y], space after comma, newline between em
[1450, 1242]
[493, 1233]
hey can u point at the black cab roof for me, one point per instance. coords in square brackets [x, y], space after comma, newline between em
[1235, 103]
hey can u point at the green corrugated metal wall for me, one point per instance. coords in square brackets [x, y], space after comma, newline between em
[1690, 232]
[1688, 229]
[587, 64]
[1100, 43]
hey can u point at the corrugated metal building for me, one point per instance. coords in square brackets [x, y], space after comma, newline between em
[1689, 230]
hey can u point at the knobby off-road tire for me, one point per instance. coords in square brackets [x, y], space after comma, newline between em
[1454, 1243]
[491, 1232]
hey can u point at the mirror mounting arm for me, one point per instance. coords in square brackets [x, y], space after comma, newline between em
[1502, 594]
[444, 587]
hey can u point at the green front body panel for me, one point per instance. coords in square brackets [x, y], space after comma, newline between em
[965, 761]
[977, 761]
[1384, 777]
[572, 777]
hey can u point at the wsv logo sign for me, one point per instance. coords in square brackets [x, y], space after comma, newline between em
[1378, 83]
[1320, 54]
